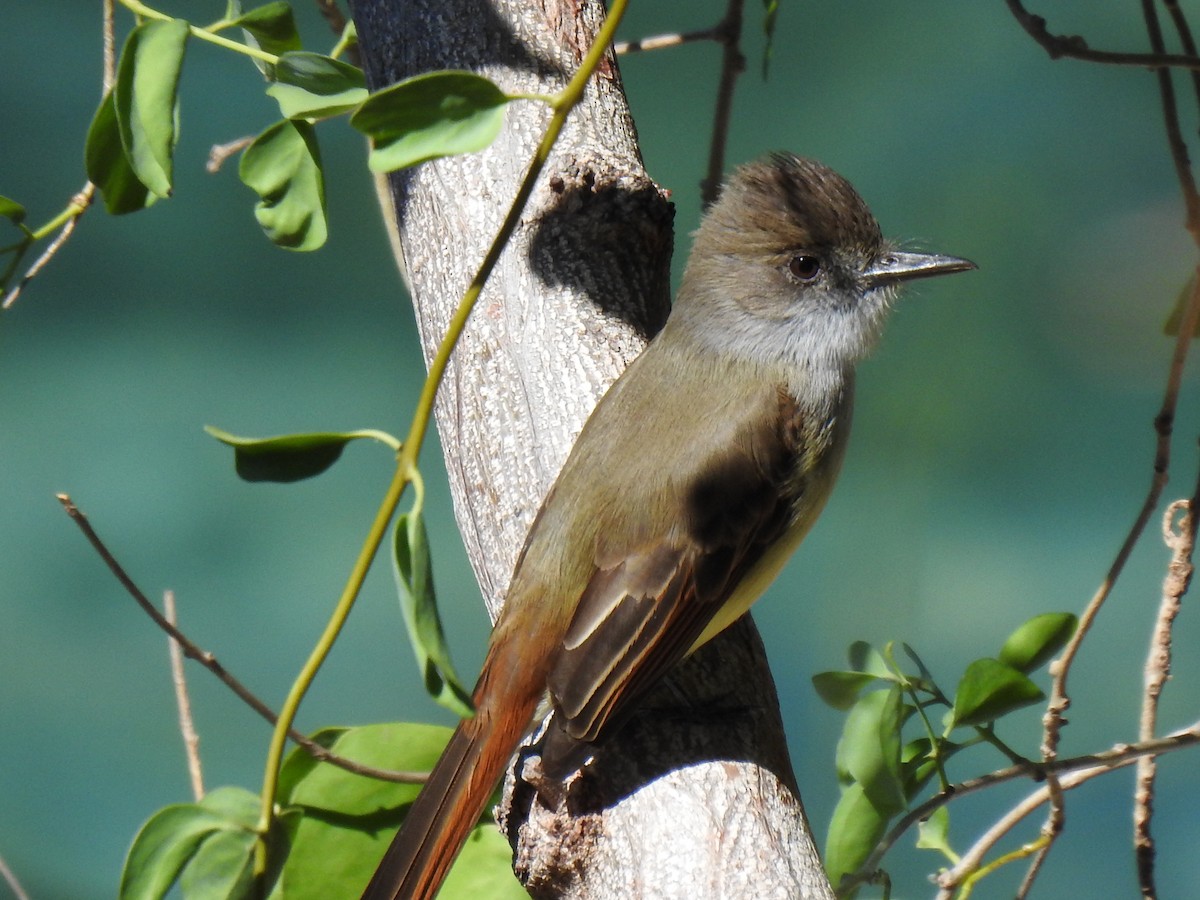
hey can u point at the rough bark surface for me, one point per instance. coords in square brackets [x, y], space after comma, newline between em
[695, 796]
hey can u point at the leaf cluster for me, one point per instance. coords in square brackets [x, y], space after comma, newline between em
[882, 769]
[330, 831]
[130, 148]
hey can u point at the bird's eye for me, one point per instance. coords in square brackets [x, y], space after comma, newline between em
[804, 267]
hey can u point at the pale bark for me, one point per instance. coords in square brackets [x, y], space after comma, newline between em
[695, 796]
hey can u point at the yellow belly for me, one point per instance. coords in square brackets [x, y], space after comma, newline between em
[757, 579]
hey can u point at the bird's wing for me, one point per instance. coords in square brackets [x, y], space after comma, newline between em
[645, 606]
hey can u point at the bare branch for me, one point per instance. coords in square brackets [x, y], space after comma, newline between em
[187, 728]
[733, 63]
[206, 659]
[663, 41]
[1158, 669]
[11, 880]
[221, 152]
[1075, 47]
[951, 879]
[79, 203]
[82, 200]
[1118, 756]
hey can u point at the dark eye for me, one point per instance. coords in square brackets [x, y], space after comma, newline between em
[804, 267]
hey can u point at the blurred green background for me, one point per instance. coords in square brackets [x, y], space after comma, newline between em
[1003, 436]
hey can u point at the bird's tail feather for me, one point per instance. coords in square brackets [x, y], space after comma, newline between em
[448, 806]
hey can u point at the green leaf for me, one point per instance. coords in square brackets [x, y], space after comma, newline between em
[350, 819]
[12, 210]
[163, 846]
[990, 689]
[934, 833]
[483, 869]
[918, 765]
[854, 829]
[289, 457]
[1171, 326]
[309, 85]
[869, 749]
[1036, 642]
[283, 166]
[174, 838]
[222, 868]
[841, 689]
[237, 806]
[926, 681]
[108, 166]
[271, 27]
[146, 100]
[413, 570]
[430, 116]
[865, 658]
[770, 15]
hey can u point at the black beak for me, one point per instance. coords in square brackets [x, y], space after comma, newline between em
[898, 266]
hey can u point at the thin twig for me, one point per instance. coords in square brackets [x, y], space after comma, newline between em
[11, 880]
[187, 727]
[1075, 47]
[1179, 151]
[1181, 540]
[221, 152]
[733, 63]
[663, 41]
[1183, 29]
[1056, 819]
[1119, 755]
[209, 661]
[950, 879]
[336, 20]
[82, 200]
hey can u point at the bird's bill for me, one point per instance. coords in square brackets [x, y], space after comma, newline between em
[898, 266]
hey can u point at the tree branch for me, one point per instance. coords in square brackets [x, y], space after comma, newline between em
[1075, 47]
[187, 728]
[209, 661]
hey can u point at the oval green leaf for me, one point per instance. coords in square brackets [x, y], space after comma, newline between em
[164, 845]
[990, 689]
[854, 829]
[12, 210]
[934, 833]
[430, 116]
[283, 166]
[309, 85]
[869, 749]
[222, 867]
[865, 658]
[1035, 643]
[350, 819]
[413, 570]
[146, 100]
[271, 27]
[108, 166]
[841, 689]
[289, 457]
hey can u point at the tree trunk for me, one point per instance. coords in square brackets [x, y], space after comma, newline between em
[695, 796]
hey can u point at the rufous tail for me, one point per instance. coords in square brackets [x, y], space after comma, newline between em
[451, 801]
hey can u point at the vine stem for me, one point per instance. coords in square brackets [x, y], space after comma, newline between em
[406, 470]
[141, 9]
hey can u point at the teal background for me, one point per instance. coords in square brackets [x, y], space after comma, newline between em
[1003, 439]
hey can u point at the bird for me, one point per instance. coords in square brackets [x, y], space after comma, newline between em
[695, 478]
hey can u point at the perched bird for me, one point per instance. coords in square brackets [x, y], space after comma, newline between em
[694, 479]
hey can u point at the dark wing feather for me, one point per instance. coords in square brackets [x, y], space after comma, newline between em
[640, 615]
